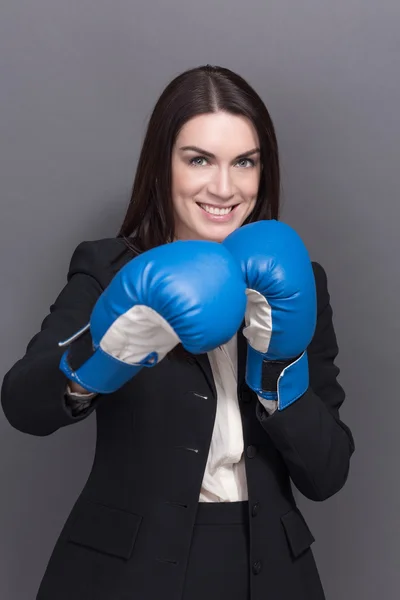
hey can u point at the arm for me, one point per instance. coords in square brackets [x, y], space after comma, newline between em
[33, 393]
[314, 443]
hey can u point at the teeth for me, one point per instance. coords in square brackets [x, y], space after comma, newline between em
[216, 211]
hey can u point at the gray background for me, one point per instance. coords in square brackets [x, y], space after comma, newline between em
[78, 80]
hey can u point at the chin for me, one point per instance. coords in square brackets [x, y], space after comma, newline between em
[218, 236]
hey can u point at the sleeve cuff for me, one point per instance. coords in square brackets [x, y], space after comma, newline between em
[269, 405]
[79, 395]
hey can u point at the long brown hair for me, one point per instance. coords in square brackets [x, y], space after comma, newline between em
[149, 218]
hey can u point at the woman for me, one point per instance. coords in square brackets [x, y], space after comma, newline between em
[190, 492]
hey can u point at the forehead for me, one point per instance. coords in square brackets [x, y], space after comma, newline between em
[220, 133]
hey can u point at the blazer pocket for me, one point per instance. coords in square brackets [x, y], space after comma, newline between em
[297, 532]
[108, 530]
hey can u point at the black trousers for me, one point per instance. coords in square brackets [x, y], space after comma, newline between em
[218, 566]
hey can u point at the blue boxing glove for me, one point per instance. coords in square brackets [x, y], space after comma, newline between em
[186, 291]
[281, 309]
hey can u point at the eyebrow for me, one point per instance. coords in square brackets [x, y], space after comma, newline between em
[210, 155]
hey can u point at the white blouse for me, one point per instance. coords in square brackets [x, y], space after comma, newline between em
[225, 474]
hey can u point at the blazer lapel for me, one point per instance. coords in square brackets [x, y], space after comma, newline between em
[203, 362]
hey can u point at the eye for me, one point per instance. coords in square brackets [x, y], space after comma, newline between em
[196, 161]
[246, 162]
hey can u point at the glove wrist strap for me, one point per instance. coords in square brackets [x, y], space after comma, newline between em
[94, 369]
[284, 381]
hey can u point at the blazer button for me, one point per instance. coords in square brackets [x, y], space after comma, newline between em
[251, 451]
[257, 567]
[254, 510]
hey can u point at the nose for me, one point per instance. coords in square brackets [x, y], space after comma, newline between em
[221, 184]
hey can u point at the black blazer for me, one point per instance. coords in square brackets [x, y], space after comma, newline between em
[129, 533]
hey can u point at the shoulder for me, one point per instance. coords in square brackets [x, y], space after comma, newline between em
[319, 273]
[321, 284]
[101, 258]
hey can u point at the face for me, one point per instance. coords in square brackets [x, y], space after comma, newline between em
[215, 176]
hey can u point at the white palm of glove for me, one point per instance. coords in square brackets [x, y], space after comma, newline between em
[137, 333]
[258, 331]
[258, 320]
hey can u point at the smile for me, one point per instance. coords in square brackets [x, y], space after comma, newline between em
[214, 210]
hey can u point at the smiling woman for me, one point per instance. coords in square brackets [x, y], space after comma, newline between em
[209, 162]
[190, 493]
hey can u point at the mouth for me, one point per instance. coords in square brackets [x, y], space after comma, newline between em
[217, 211]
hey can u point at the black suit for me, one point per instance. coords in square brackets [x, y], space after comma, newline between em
[129, 533]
